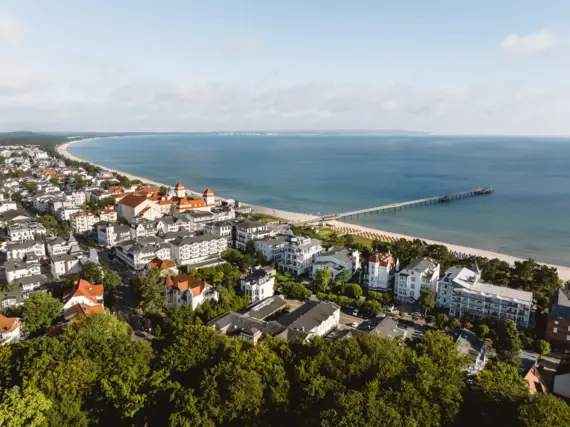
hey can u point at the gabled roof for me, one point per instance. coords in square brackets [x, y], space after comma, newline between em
[186, 283]
[179, 187]
[162, 264]
[9, 324]
[84, 309]
[132, 201]
[85, 289]
[208, 192]
[384, 259]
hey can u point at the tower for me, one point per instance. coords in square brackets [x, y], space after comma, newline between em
[179, 191]
[208, 197]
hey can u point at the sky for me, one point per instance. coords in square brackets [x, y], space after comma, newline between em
[495, 67]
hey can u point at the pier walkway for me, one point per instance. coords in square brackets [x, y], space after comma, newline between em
[411, 204]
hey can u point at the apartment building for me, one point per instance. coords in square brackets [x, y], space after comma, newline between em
[247, 231]
[193, 250]
[420, 272]
[299, 254]
[380, 270]
[258, 284]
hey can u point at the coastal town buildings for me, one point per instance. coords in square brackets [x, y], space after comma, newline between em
[248, 231]
[380, 271]
[198, 249]
[337, 260]
[258, 284]
[85, 294]
[136, 254]
[18, 269]
[25, 230]
[10, 329]
[299, 254]
[420, 272]
[272, 247]
[109, 234]
[184, 289]
[19, 250]
[558, 320]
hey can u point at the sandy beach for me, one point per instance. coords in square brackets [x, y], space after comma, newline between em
[371, 233]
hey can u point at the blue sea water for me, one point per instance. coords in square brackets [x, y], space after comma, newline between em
[527, 216]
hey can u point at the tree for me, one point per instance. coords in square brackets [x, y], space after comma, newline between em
[163, 189]
[250, 248]
[427, 299]
[343, 276]
[483, 330]
[54, 180]
[322, 280]
[40, 310]
[26, 407]
[468, 325]
[454, 323]
[150, 289]
[440, 320]
[7, 287]
[509, 343]
[352, 290]
[543, 347]
[295, 290]
[544, 410]
[78, 182]
[93, 273]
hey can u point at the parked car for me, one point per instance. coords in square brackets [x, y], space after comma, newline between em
[355, 312]
[389, 308]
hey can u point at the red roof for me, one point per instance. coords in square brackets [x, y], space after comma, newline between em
[186, 282]
[132, 200]
[84, 309]
[8, 324]
[384, 259]
[162, 264]
[179, 187]
[208, 192]
[85, 289]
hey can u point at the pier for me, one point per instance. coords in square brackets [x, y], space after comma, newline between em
[446, 198]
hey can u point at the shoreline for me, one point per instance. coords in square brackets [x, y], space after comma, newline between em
[563, 271]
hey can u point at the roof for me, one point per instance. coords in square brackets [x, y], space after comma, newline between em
[132, 201]
[421, 264]
[162, 264]
[234, 323]
[179, 187]
[561, 304]
[21, 245]
[28, 280]
[388, 327]
[249, 224]
[309, 316]
[195, 239]
[186, 282]
[383, 258]
[85, 289]
[9, 324]
[81, 310]
[266, 307]
[208, 192]
[340, 254]
[468, 343]
[498, 291]
[19, 265]
[13, 213]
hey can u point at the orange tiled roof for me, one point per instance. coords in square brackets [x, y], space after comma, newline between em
[48, 172]
[190, 204]
[9, 324]
[85, 289]
[115, 188]
[162, 264]
[132, 200]
[165, 202]
[185, 282]
[84, 310]
[383, 259]
[179, 187]
[208, 192]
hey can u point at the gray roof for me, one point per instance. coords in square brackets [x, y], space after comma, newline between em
[388, 327]
[561, 305]
[342, 254]
[21, 245]
[195, 239]
[168, 220]
[199, 214]
[309, 315]
[249, 224]
[499, 291]
[421, 264]
[62, 257]
[266, 307]
[273, 241]
[172, 235]
[36, 278]
[19, 265]
[234, 323]
[469, 343]
[13, 213]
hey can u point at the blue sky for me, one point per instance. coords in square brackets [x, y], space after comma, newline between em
[466, 67]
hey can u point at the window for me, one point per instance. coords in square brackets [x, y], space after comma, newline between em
[555, 330]
[413, 279]
[556, 322]
[413, 286]
[568, 337]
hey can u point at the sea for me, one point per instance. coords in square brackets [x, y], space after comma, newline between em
[528, 215]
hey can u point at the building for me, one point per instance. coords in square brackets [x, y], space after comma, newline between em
[299, 254]
[183, 289]
[109, 234]
[461, 291]
[64, 264]
[271, 247]
[8, 206]
[19, 250]
[530, 372]
[388, 327]
[421, 272]
[18, 269]
[258, 284]
[337, 260]
[24, 287]
[165, 266]
[136, 254]
[196, 220]
[82, 222]
[85, 293]
[134, 207]
[143, 228]
[470, 345]
[10, 329]
[220, 228]
[197, 249]
[81, 310]
[380, 271]
[248, 231]
[562, 379]
[558, 321]
[62, 245]
[27, 230]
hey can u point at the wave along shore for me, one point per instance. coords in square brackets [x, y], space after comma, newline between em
[563, 272]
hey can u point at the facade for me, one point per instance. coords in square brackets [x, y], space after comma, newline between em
[421, 272]
[18, 269]
[258, 284]
[558, 321]
[134, 207]
[220, 228]
[470, 345]
[299, 254]
[183, 289]
[64, 264]
[19, 250]
[461, 291]
[136, 254]
[109, 234]
[143, 228]
[247, 231]
[62, 245]
[380, 271]
[336, 260]
[82, 222]
[10, 329]
[192, 250]
[271, 247]
[83, 293]
[23, 231]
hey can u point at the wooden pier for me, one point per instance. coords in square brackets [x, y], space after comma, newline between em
[446, 198]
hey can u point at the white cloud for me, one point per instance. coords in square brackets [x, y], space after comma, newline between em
[9, 30]
[244, 46]
[532, 43]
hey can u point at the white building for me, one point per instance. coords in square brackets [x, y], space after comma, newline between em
[61, 245]
[271, 247]
[258, 284]
[143, 228]
[461, 291]
[64, 214]
[77, 197]
[109, 234]
[82, 222]
[193, 250]
[183, 289]
[197, 219]
[8, 206]
[137, 253]
[247, 231]
[381, 269]
[64, 264]
[18, 269]
[134, 207]
[84, 293]
[299, 254]
[10, 329]
[18, 250]
[336, 260]
[421, 272]
[221, 229]
[23, 231]
[314, 318]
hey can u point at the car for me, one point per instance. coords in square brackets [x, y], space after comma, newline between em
[355, 312]
[416, 314]
[354, 324]
[389, 308]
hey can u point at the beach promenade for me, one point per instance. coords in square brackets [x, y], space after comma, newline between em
[295, 217]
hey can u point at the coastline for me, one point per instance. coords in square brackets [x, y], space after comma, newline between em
[563, 271]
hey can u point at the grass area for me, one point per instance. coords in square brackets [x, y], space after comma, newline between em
[331, 236]
[266, 219]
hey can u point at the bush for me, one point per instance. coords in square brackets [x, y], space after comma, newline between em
[352, 290]
[468, 325]
[295, 290]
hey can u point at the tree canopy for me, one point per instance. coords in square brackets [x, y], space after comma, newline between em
[40, 310]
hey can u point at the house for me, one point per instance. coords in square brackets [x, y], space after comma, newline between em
[220, 228]
[136, 254]
[266, 307]
[108, 214]
[85, 293]
[314, 318]
[77, 197]
[380, 270]
[10, 329]
[197, 249]
[558, 321]
[166, 225]
[529, 371]
[258, 284]
[196, 220]
[18, 269]
[62, 245]
[174, 235]
[465, 295]
[469, 344]
[15, 215]
[166, 266]
[8, 206]
[134, 207]
[143, 228]
[336, 260]
[64, 264]
[26, 230]
[248, 231]
[24, 287]
[183, 289]
[19, 250]
[65, 213]
[81, 310]
[223, 213]
[109, 234]
[244, 326]
[271, 247]
[299, 254]
[388, 327]
[420, 272]
[82, 222]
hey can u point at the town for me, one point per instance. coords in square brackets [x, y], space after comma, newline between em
[81, 242]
